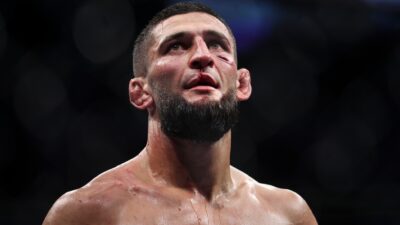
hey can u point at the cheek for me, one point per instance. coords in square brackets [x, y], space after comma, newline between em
[164, 72]
[226, 58]
[227, 65]
[165, 67]
[228, 69]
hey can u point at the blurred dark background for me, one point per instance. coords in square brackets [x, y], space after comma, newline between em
[323, 118]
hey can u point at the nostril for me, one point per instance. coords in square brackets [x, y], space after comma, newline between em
[196, 65]
[202, 62]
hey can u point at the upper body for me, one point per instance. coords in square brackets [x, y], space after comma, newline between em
[186, 77]
[125, 195]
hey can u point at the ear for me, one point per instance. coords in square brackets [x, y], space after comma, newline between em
[243, 85]
[138, 93]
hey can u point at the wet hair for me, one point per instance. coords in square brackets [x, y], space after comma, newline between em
[140, 51]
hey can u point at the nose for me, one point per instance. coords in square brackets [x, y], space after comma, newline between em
[201, 57]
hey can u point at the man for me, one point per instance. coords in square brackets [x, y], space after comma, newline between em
[186, 77]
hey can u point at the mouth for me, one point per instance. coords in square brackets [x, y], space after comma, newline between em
[202, 80]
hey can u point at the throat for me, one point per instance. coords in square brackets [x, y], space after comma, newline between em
[194, 167]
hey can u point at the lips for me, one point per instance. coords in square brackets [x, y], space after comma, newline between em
[201, 80]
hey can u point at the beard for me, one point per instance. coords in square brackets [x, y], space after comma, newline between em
[203, 122]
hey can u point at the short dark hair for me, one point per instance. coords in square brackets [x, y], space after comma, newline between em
[140, 50]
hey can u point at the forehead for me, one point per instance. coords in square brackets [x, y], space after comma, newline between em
[194, 22]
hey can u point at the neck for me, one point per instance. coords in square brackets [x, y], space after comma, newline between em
[199, 167]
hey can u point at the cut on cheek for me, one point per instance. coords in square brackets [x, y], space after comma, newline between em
[226, 59]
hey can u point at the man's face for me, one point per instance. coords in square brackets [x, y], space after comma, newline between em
[192, 55]
[192, 83]
[192, 75]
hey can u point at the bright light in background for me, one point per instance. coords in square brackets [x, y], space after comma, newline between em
[250, 21]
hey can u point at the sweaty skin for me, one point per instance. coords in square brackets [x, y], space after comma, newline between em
[174, 181]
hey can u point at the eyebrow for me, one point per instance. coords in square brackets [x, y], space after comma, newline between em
[219, 35]
[173, 37]
[206, 33]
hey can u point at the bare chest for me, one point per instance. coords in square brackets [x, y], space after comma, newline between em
[159, 211]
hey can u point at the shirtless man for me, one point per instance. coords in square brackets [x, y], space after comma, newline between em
[186, 77]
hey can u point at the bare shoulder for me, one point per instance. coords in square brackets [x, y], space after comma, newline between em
[288, 202]
[283, 201]
[78, 207]
[98, 202]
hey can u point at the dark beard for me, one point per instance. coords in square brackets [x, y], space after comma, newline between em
[198, 122]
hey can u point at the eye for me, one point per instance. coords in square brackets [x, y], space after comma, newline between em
[215, 45]
[177, 46]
